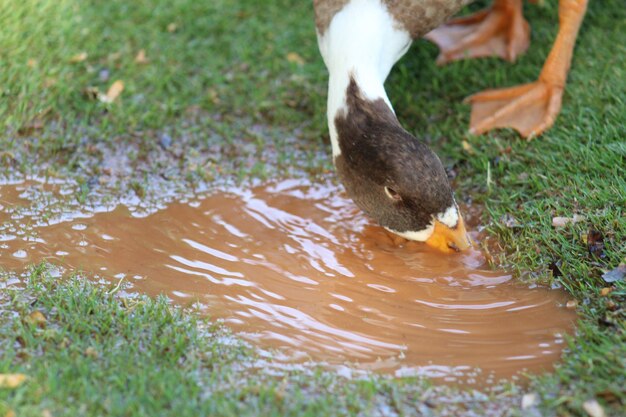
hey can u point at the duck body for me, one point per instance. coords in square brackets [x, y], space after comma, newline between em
[390, 174]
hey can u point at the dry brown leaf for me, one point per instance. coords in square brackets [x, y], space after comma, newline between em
[113, 92]
[11, 380]
[31, 63]
[10, 413]
[141, 57]
[30, 127]
[595, 243]
[605, 291]
[36, 318]
[214, 96]
[79, 57]
[91, 352]
[64, 343]
[92, 93]
[295, 58]
[172, 27]
[571, 304]
[608, 395]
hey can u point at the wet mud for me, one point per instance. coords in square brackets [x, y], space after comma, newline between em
[296, 266]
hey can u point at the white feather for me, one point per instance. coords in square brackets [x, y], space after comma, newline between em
[420, 236]
[450, 217]
[362, 41]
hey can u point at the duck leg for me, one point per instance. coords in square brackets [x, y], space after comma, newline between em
[498, 31]
[532, 108]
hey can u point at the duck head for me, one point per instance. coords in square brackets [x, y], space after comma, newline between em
[394, 177]
[391, 175]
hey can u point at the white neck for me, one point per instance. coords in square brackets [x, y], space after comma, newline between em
[363, 41]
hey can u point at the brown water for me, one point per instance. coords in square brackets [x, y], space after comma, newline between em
[296, 266]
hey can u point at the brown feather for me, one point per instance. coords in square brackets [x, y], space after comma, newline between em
[417, 17]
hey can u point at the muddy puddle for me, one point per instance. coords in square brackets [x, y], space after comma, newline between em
[294, 265]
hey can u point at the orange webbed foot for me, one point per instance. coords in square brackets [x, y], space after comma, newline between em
[530, 108]
[499, 31]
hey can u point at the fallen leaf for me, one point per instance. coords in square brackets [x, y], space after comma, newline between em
[529, 400]
[555, 267]
[467, 147]
[295, 58]
[36, 318]
[64, 343]
[91, 352]
[10, 413]
[608, 396]
[562, 221]
[141, 57]
[30, 127]
[595, 243]
[91, 93]
[79, 57]
[571, 304]
[31, 63]
[616, 274]
[11, 380]
[112, 93]
[172, 27]
[115, 90]
[594, 409]
[605, 291]
[215, 97]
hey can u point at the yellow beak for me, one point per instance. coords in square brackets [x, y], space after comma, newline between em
[448, 239]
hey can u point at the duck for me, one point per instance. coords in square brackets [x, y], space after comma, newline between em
[391, 175]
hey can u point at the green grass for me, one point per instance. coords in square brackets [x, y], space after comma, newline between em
[223, 57]
[221, 88]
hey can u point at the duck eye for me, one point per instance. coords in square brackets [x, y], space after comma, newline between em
[392, 194]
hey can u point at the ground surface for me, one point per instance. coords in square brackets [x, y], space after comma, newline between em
[232, 90]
